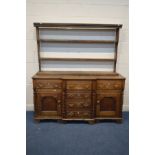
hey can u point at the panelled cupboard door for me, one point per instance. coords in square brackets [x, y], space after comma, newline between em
[48, 104]
[109, 105]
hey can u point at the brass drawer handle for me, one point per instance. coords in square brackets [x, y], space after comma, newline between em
[59, 101]
[86, 105]
[71, 114]
[71, 105]
[98, 101]
[116, 85]
[40, 84]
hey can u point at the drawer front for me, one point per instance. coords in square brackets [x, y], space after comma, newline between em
[52, 84]
[78, 114]
[78, 104]
[78, 95]
[79, 85]
[110, 84]
[48, 90]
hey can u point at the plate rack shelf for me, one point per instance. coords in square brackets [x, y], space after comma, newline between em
[82, 34]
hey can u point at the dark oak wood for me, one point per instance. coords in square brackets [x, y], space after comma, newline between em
[78, 95]
[116, 47]
[87, 73]
[77, 75]
[38, 47]
[76, 25]
[78, 98]
[78, 28]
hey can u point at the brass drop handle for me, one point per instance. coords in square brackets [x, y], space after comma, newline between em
[98, 101]
[40, 84]
[71, 104]
[59, 101]
[116, 86]
[86, 104]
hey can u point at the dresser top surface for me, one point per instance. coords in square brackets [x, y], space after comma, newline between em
[77, 75]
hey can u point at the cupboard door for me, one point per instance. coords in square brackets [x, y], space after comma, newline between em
[48, 104]
[109, 105]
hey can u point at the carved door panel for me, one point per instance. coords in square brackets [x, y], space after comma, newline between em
[109, 105]
[48, 104]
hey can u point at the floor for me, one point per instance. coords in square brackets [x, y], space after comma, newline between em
[77, 138]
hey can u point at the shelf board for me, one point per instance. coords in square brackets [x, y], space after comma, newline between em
[86, 25]
[78, 59]
[77, 28]
[77, 41]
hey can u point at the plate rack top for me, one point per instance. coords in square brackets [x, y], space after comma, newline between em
[100, 29]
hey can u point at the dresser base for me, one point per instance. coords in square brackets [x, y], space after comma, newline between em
[78, 96]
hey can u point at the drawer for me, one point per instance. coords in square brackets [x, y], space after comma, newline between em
[48, 90]
[78, 104]
[52, 84]
[79, 85]
[78, 95]
[78, 114]
[110, 84]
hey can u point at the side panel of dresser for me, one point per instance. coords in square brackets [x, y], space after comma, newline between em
[109, 94]
[48, 99]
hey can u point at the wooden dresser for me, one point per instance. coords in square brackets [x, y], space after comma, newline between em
[77, 95]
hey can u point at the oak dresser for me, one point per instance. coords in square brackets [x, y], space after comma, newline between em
[77, 94]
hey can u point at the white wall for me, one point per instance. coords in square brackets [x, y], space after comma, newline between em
[76, 11]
